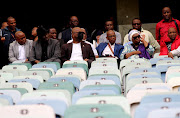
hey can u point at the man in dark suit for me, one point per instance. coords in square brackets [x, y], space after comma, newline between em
[66, 35]
[44, 49]
[77, 50]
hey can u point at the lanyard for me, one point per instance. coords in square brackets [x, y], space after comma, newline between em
[110, 48]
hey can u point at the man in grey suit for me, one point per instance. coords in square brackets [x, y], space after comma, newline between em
[45, 49]
[20, 48]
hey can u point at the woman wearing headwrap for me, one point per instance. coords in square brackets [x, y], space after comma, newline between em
[139, 48]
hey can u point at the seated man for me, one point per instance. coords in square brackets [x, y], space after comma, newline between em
[137, 49]
[78, 49]
[110, 49]
[171, 43]
[84, 39]
[44, 49]
[20, 48]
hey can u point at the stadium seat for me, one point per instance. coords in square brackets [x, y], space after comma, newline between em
[6, 76]
[73, 71]
[34, 82]
[56, 63]
[26, 86]
[44, 74]
[15, 67]
[48, 94]
[76, 80]
[14, 94]
[164, 113]
[76, 65]
[96, 64]
[131, 83]
[104, 72]
[135, 94]
[50, 70]
[96, 82]
[27, 111]
[57, 85]
[143, 110]
[106, 77]
[8, 98]
[77, 95]
[95, 111]
[35, 77]
[165, 97]
[106, 99]
[43, 65]
[114, 88]
[59, 106]
[26, 64]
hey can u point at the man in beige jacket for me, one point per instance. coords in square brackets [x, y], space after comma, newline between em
[136, 24]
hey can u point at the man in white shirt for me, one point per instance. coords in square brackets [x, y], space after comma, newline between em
[20, 48]
[110, 49]
[84, 39]
[77, 50]
[110, 26]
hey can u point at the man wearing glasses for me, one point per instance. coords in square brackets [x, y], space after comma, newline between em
[66, 35]
[110, 49]
[136, 24]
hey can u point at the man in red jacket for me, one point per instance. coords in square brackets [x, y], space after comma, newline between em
[172, 42]
[167, 22]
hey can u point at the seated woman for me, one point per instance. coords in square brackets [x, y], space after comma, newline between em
[172, 42]
[137, 49]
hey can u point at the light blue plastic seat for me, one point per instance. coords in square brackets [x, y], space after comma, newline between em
[143, 110]
[166, 97]
[59, 106]
[80, 94]
[7, 97]
[34, 82]
[41, 65]
[106, 77]
[73, 79]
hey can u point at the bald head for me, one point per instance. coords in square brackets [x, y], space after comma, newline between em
[111, 36]
[20, 37]
[172, 33]
[75, 32]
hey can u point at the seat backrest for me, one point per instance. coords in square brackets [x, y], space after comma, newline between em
[73, 71]
[41, 65]
[27, 111]
[96, 111]
[57, 85]
[15, 67]
[25, 85]
[105, 99]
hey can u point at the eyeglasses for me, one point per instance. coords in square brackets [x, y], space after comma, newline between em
[136, 24]
[75, 21]
[112, 36]
[136, 37]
